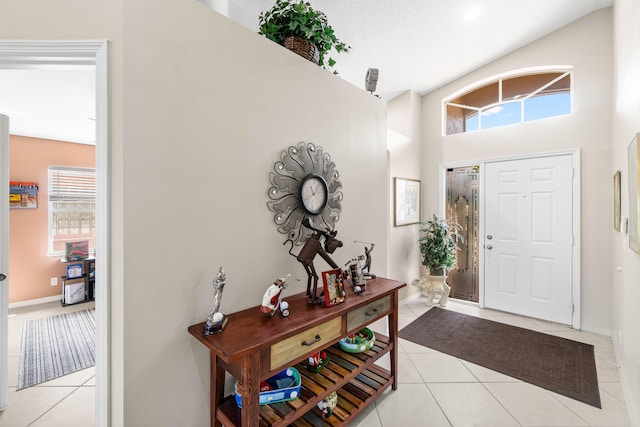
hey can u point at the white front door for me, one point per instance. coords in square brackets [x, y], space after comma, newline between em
[528, 241]
[4, 257]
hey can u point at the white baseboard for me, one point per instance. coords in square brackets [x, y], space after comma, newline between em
[410, 298]
[633, 409]
[34, 301]
[598, 331]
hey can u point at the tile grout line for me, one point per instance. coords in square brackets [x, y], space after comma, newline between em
[54, 405]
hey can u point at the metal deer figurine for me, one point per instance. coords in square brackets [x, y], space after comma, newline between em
[312, 247]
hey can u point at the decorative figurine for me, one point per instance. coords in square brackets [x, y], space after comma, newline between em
[272, 299]
[284, 308]
[356, 278]
[432, 286]
[327, 404]
[366, 270]
[216, 321]
[311, 248]
[317, 361]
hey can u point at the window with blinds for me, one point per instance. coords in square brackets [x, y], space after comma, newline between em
[72, 207]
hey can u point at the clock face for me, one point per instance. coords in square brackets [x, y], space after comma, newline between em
[305, 183]
[314, 194]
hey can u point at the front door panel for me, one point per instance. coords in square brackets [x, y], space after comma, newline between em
[528, 240]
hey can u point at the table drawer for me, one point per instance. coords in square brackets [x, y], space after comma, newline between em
[305, 342]
[364, 314]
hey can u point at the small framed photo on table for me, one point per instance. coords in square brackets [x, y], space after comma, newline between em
[333, 287]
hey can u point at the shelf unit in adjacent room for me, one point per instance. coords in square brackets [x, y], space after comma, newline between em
[78, 290]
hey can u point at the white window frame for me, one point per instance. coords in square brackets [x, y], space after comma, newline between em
[81, 188]
[565, 69]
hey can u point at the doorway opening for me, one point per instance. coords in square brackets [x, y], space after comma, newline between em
[513, 218]
[18, 55]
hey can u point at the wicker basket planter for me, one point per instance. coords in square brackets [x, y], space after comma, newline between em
[303, 47]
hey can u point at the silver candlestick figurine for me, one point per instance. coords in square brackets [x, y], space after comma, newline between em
[217, 321]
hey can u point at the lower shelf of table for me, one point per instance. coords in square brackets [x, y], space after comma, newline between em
[354, 376]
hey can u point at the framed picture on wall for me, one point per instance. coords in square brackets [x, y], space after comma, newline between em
[406, 204]
[23, 195]
[634, 195]
[616, 201]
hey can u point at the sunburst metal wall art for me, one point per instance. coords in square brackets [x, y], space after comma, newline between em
[304, 174]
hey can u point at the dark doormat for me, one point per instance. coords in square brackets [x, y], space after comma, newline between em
[558, 364]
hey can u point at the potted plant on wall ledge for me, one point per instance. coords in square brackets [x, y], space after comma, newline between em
[301, 29]
[438, 245]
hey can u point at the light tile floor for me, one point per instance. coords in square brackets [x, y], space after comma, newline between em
[434, 389]
[67, 401]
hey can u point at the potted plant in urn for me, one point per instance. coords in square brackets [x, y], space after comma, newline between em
[301, 29]
[438, 245]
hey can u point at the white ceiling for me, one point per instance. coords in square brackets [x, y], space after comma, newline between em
[50, 103]
[422, 44]
[417, 45]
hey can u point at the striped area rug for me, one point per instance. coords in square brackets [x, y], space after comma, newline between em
[56, 346]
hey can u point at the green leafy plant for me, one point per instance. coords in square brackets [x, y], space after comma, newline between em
[438, 243]
[299, 19]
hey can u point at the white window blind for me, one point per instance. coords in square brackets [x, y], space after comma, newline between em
[72, 206]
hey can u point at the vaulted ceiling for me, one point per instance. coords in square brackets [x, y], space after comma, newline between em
[423, 44]
[417, 45]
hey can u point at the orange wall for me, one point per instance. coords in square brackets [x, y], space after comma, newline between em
[30, 269]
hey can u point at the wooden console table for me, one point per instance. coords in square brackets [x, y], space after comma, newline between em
[254, 347]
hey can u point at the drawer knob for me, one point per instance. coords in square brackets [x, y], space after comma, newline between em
[317, 338]
[372, 312]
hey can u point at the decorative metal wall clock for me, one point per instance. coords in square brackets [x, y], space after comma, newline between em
[304, 184]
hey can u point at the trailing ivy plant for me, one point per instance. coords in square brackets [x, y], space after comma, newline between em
[438, 243]
[299, 19]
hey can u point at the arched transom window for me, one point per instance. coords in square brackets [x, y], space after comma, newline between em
[509, 100]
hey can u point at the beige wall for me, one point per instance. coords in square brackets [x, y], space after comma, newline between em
[207, 112]
[30, 267]
[586, 45]
[198, 117]
[404, 117]
[623, 278]
[187, 108]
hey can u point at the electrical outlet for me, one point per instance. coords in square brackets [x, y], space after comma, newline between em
[54, 281]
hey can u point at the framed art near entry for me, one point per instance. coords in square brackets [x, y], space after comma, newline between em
[616, 201]
[406, 205]
[634, 195]
[333, 287]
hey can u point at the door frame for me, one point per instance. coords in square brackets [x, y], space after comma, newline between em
[576, 259]
[4, 257]
[58, 54]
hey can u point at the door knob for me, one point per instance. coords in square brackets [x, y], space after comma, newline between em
[2, 277]
[489, 247]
